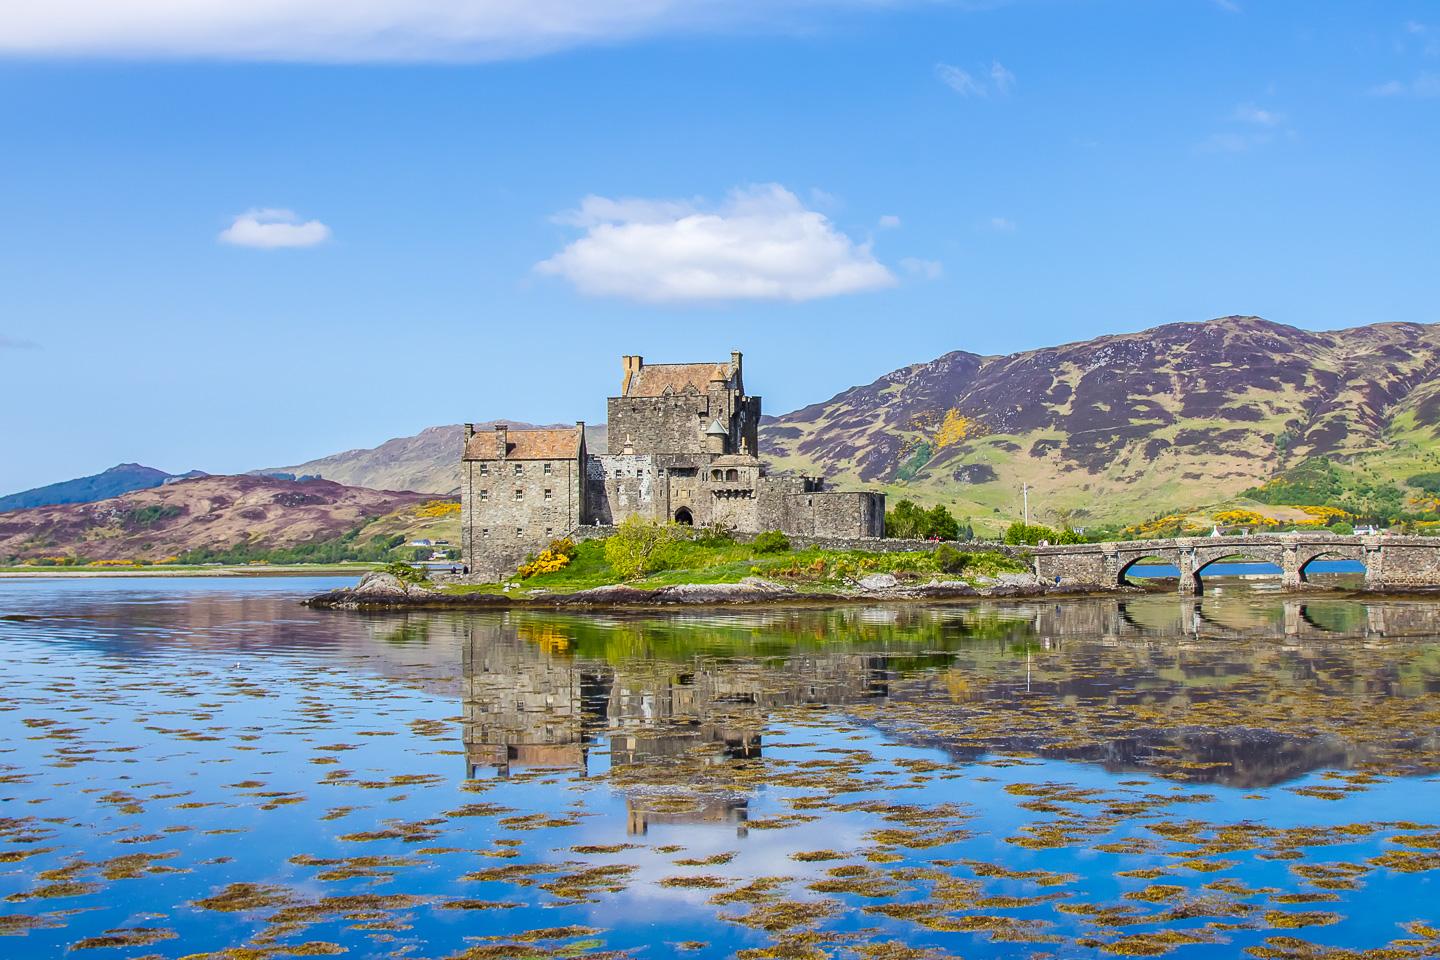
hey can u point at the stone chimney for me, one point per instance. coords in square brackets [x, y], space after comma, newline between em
[735, 362]
[469, 430]
[580, 429]
[502, 440]
[631, 366]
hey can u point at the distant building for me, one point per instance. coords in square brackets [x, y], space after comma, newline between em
[683, 440]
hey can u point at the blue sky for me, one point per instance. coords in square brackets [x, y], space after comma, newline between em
[237, 240]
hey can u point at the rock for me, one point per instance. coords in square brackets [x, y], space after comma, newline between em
[879, 581]
[765, 586]
[1017, 579]
[378, 585]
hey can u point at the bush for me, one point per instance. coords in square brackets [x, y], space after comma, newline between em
[949, 560]
[1429, 482]
[638, 546]
[405, 573]
[771, 541]
[1033, 533]
[564, 547]
[909, 522]
[549, 561]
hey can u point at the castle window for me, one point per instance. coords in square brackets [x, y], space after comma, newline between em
[549, 494]
[546, 470]
[617, 473]
[519, 469]
[485, 533]
[549, 531]
[519, 494]
[484, 469]
[484, 495]
[519, 531]
[715, 475]
[732, 474]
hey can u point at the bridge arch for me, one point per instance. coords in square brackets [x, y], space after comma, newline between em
[1158, 557]
[1308, 557]
[1263, 556]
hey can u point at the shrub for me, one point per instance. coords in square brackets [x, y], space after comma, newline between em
[439, 508]
[564, 547]
[637, 547]
[949, 560]
[771, 541]
[549, 561]
[1033, 533]
[1429, 482]
[909, 522]
[405, 573]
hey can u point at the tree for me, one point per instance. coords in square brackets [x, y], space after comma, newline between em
[941, 525]
[906, 521]
[637, 546]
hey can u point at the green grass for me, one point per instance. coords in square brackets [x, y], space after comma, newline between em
[811, 569]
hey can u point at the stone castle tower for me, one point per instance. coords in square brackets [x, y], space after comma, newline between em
[683, 448]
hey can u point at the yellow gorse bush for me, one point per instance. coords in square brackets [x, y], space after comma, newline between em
[549, 561]
[1324, 516]
[1244, 518]
[438, 508]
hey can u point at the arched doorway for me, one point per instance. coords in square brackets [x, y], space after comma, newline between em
[684, 517]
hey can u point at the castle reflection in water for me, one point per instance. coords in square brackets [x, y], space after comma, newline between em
[674, 709]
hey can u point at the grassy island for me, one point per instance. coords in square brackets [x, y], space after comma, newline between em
[649, 556]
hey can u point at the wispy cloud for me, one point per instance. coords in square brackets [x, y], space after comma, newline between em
[1424, 85]
[272, 228]
[1229, 6]
[376, 30]
[889, 222]
[15, 343]
[1001, 225]
[924, 269]
[760, 243]
[1258, 116]
[1251, 126]
[996, 80]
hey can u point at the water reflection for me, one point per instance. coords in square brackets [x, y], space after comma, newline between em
[216, 770]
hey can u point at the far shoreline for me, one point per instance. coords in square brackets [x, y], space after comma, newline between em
[258, 570]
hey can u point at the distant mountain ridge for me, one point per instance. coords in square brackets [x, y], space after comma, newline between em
[429, 461]
[209, 512]
[1124, 427]
[119, 479]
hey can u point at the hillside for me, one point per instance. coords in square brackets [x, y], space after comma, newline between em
[212, 513]
[119, 479]
[1126, 427]
[427, 462]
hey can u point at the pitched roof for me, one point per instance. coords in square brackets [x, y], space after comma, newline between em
[526, 445]
[653, 379]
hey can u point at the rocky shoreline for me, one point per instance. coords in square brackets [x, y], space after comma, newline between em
[382, 591]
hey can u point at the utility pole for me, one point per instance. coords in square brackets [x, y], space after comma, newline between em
[1025, 492]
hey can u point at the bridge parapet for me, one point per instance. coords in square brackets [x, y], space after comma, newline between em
[1389, 561]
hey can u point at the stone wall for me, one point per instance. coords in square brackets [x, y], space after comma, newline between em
[618, 485]
[512, 508]
[672, 424]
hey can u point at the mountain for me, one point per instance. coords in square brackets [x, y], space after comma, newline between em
[207, 513]
[428, 461]
[1125, 427]
[119, 479]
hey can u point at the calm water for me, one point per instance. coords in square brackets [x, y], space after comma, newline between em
[191, 766]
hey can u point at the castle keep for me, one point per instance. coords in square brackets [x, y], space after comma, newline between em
[683, 441]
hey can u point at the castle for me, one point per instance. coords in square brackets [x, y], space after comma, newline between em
[683, 440]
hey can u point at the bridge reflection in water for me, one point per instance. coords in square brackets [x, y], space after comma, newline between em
[674, 710]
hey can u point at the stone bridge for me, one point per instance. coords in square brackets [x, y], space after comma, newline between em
[1390, 562]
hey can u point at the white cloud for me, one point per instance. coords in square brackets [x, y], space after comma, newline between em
[1229, 6]
[1425, 85]
[1001, 78]
[889, 222]
[1249, 113]
[374, 30]
[761, 243]
[15, 343]
[926, 269]
[1001, 225]
[273, 228]
[997, 80]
